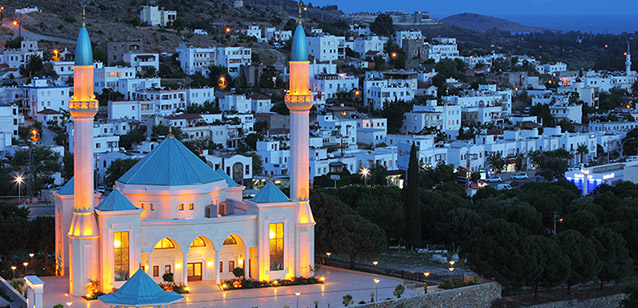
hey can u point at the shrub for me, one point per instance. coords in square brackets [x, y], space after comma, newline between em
[58, 306]
[238, 272]
[347, 300]
[398, 291]
[168, 277]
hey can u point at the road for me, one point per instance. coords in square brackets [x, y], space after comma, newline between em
[33, 36]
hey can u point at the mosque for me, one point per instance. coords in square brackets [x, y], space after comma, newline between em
[172, 213]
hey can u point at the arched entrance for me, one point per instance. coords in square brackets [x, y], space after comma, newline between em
[166, 258]
[201, 259]
[232, 255]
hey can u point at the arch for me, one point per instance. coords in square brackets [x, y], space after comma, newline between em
[166, 243]
[232, 254]
[208, 243]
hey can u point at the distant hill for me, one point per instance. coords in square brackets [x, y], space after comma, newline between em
[484, 23]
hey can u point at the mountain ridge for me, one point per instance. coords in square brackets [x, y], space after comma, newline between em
[484, 23]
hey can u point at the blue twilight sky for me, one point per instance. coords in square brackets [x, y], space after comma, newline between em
[613, 16]
[444, 8]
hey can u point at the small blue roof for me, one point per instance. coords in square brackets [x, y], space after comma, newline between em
[83, 50]
[171, 163]
[227, 178]
[270, 193]
[299, 51]
[116, 201]
[68, 188]
[140, 291]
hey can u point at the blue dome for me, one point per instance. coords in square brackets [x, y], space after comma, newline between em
[299, 45]
[171, 163]
[83, 51]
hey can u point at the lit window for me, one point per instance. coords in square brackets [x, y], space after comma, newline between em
[198, 242]
[181, 206]
[155, 270]
[230, 241]
[231, 266]
[121, 252]
[221, 266]
[143, 205]
[276, 236]
[191, 206]
[152, 206]
[164, 244]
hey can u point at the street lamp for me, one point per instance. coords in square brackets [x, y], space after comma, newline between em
[297, 294]
[13, 268]
[452, 262]
[375, 263]
[376, 291]
[16, 24]
[426, 274]
[31, 255]
[19, 180]
[365, 172]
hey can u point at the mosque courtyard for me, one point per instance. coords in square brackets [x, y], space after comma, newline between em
[338, 283]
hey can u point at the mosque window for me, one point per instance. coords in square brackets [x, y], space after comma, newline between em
[198, 242]
[230, 241]
[164, 244]
[191, 206]
[121, 250]
[276, 235]
[143, 205]
[181, 206]
[152, 206]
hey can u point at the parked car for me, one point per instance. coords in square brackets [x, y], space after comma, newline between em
[520, 176]
[494, 179]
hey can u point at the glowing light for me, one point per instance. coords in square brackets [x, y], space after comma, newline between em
[357, 92]
[186, 288]
[272, 234]
[328, 254]
[117, 244]
[625, 53]
[365, 171]
[222, 82]
[297, 293]
[322, 279]
[240, 262]
[178, 265]
[19, 179]
[275, 282]
[227, 29]
[25, 264]
[452, 262]
[451, 269]
[146, 268]
[13, 268]
[375, 263]
[69, 304]
[224, 286]
[210, 263]
[426, 274]
[606, 45]
[15, 22]
[394, 55]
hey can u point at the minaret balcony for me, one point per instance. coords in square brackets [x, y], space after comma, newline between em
[299, 98]
[83, 108]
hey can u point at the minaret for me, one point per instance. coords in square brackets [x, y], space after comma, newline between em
[628, 61]
[299, 101]
[84, 233]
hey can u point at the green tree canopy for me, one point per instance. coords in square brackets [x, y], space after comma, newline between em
[612, 251]
[117, 169]
[382, 25]
[585, 263]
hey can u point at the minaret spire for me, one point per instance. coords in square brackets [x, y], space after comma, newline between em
[300, 4]
[83, 15]
[628, 61]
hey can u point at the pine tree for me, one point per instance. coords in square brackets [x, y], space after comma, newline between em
[412, 201]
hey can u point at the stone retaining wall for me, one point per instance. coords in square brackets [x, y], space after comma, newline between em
[17, 300]
[477, 296]
[611, 301]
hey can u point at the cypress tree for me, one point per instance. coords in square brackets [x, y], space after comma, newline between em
[412, 201]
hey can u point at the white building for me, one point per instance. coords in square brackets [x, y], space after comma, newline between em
[373, 43]
[379, 89]
[328, 85]
[253, 31]
[272, 34]
[108, 77]
[128, 86]
[443, 48]
[551, 68]
[15, 58]
[42, 94]
[232, 58]
[407, 35]
[573, 113]
[10, 120]
[444, 117]
[372, 131]
[327, 47]
[194, 59]
[142, 61]
[236, 102]
[260, 103]
[155, 16]
[64, 70]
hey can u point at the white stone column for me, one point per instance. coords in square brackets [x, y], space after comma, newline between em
[150, 265]
[216, 269]
[185, 268]
[246, 260]
[35, 291]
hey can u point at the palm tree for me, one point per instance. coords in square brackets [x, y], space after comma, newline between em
[582, 149]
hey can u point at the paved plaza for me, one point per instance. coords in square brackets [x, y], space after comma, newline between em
[206, 294]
